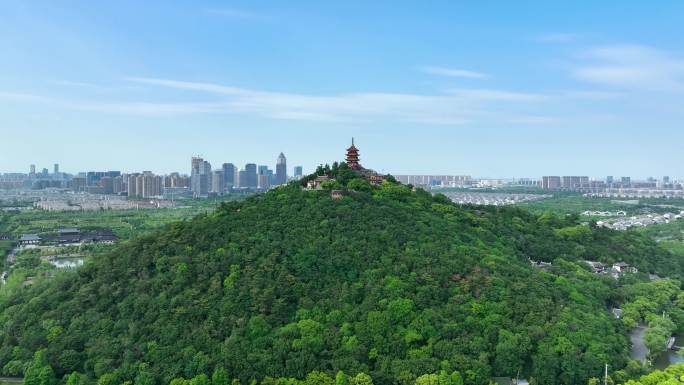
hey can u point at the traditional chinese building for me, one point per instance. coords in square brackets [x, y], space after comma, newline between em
[353, 163]
[353, 157]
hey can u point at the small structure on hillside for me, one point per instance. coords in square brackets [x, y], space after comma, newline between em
[617, 312]
[617, 270]
[68, 236]
[596, 267]
[29, 239]
[353, 159]
[316, 183]
[336, 194]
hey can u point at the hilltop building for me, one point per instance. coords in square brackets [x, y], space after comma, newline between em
[353, 157]
[353, 161]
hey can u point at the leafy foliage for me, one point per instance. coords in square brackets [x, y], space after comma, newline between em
[386, 283]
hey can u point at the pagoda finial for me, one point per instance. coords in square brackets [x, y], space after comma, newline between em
[352, 140]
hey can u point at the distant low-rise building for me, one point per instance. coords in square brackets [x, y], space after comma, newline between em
[29, 239]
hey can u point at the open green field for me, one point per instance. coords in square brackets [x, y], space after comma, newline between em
[124, 223]
[576, 204]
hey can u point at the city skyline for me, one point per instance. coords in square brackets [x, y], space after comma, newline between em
[519, 89]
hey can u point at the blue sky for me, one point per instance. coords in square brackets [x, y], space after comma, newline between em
[485, 88]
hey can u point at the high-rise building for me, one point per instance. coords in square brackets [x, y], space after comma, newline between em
[298, 171]
[666, 179]
[250, 176]
[281, 170]
[131, 183]
[242, 179]
[107, 184]
[551, 182]
[78, 184]
[56, 169]
[217, 182]
[626, 181]
[201, 177]
[264, 177]
[609, 179]
[32, 170]
[93, 177]
[263, 181]
[229, 175]
[175, 180]
[151, 185]
[117, 185]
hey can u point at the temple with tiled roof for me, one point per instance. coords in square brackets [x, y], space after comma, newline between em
[353, 163]
[353, 157]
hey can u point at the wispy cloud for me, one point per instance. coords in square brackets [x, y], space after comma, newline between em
[497, 95]
[22, 97]
[632, 67]
[191, 86]
[460, 106]
[457, 106]
[454, 72]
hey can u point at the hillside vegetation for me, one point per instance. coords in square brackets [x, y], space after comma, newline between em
[388, 282]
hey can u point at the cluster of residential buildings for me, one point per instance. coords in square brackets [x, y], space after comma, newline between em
[641, 221]
[203, 181]
[435, 180]
[616, 270]
[590, 213]
[492, 199]
[613, 187]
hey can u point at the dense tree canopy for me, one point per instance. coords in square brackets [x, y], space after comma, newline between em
[388, 282]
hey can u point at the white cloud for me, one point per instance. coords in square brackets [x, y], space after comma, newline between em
[632, 67]
[497, 95]
[21, 97]
[454, 72]
[458, 106]
[462, 106]
[191, 86]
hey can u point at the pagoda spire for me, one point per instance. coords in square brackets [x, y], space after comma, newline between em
[353, 157]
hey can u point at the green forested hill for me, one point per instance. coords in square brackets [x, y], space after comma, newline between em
[389, 282]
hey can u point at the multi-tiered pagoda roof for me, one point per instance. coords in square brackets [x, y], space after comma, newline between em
[353, 157]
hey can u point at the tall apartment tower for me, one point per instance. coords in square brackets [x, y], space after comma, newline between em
[264, 177]
[131, 183]
[250, 176]
[281, 170]
[201, 177]
[218, 182]
[551, 182]
[229, 175]
[298, 172]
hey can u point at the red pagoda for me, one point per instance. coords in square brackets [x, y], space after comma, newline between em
[353, 157]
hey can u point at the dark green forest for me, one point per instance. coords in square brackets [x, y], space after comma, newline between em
[386, 283]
